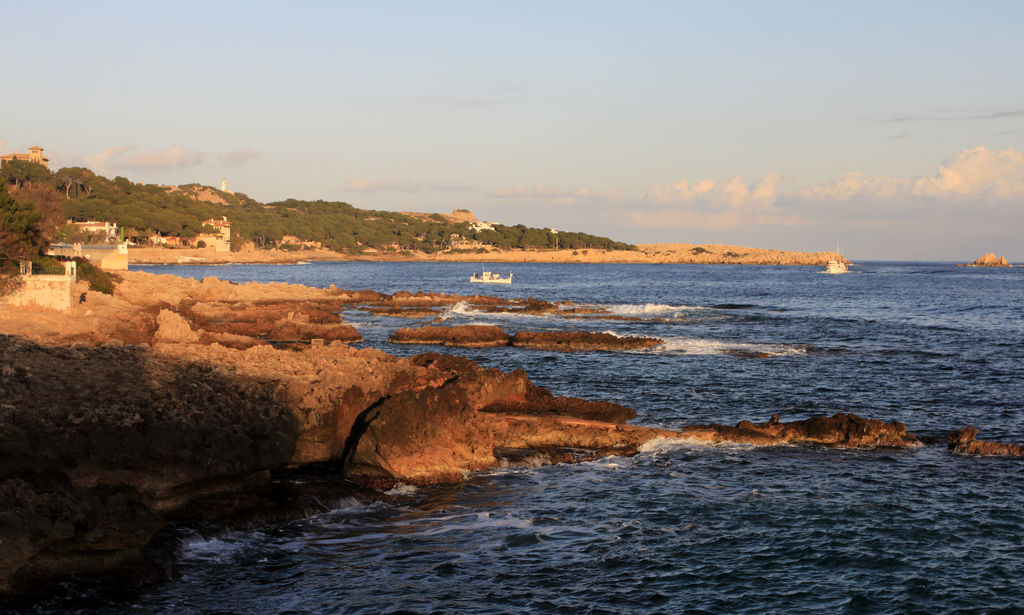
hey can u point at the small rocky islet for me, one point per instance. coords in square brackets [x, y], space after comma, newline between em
[990, 260]
[175, 400]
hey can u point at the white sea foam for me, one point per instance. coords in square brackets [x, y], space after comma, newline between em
[654, 310]
[692, 345]
[664, 445]
[402, 489]
[459, 309]
[219, 549]
[464, 309]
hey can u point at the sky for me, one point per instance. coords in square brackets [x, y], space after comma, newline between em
[894, 130]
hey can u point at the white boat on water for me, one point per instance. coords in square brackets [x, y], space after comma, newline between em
[488, 277]
[836, 266]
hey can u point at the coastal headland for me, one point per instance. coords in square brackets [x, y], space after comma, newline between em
[175, 401]
[677, 253]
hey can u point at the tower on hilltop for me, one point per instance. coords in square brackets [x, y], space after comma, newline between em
[35, 154]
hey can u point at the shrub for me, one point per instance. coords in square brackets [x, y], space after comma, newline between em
[98, 279]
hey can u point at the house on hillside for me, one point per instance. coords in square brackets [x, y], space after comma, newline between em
[293, 240]
[220, 239]
[458, 242]
[107, 230]
[35, 154]
[167, 241]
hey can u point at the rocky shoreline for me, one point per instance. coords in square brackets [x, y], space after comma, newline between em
[177, 399]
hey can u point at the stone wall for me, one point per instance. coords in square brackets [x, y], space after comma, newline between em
[48, 292]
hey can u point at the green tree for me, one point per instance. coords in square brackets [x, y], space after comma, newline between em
[20, 236]
[21, 172]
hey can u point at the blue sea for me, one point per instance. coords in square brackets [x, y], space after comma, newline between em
[678, 528]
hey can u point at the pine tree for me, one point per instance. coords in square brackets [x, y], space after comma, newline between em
[20, 235]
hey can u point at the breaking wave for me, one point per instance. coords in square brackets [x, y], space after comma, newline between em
[654, 310]
[701, 346]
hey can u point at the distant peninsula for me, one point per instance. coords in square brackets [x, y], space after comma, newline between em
[674, 253]
[197, 224]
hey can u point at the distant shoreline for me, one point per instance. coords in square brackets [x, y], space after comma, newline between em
[675, 253]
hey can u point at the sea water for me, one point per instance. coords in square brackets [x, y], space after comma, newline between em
[679, 527]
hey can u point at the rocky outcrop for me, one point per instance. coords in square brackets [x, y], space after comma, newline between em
[91, 467]
[466, 336]
[964, 442]
[577, 341]
[843, 430]
[171, 327]
[280, 321]
[437, 434]
[98, 445]
[404, 312]
[991, 260]
[425, 299]
[487, 336]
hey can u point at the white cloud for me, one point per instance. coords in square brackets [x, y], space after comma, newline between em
[526, 192]
[731, 195]
[361, 184]
[100, 160]
[239, 156]
[966, 181]
[557, 196]
[711, 205]
[977, 174]
[706, 220]
[125, 157]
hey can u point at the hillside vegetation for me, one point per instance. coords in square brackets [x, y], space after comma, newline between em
[179, 211]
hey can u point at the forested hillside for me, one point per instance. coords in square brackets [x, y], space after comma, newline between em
[179, 211]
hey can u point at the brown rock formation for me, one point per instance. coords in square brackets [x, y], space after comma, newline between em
[283, 321]
[991, 260]
[92, 461]
[466, 336]
[845, 430]
[404, 312]
[576, 341]
[171, 327]
[963, 441]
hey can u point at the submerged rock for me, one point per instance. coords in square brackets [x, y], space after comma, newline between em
[576, 341]
[964, 442]
[404, 312]
[466, 336]
[843, 430]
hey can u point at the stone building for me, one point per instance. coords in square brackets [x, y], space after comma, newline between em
[100, 228]
[220, 238]
[35, 154]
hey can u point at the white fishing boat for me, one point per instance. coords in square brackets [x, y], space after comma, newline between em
[836, 266]
[489, 277]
